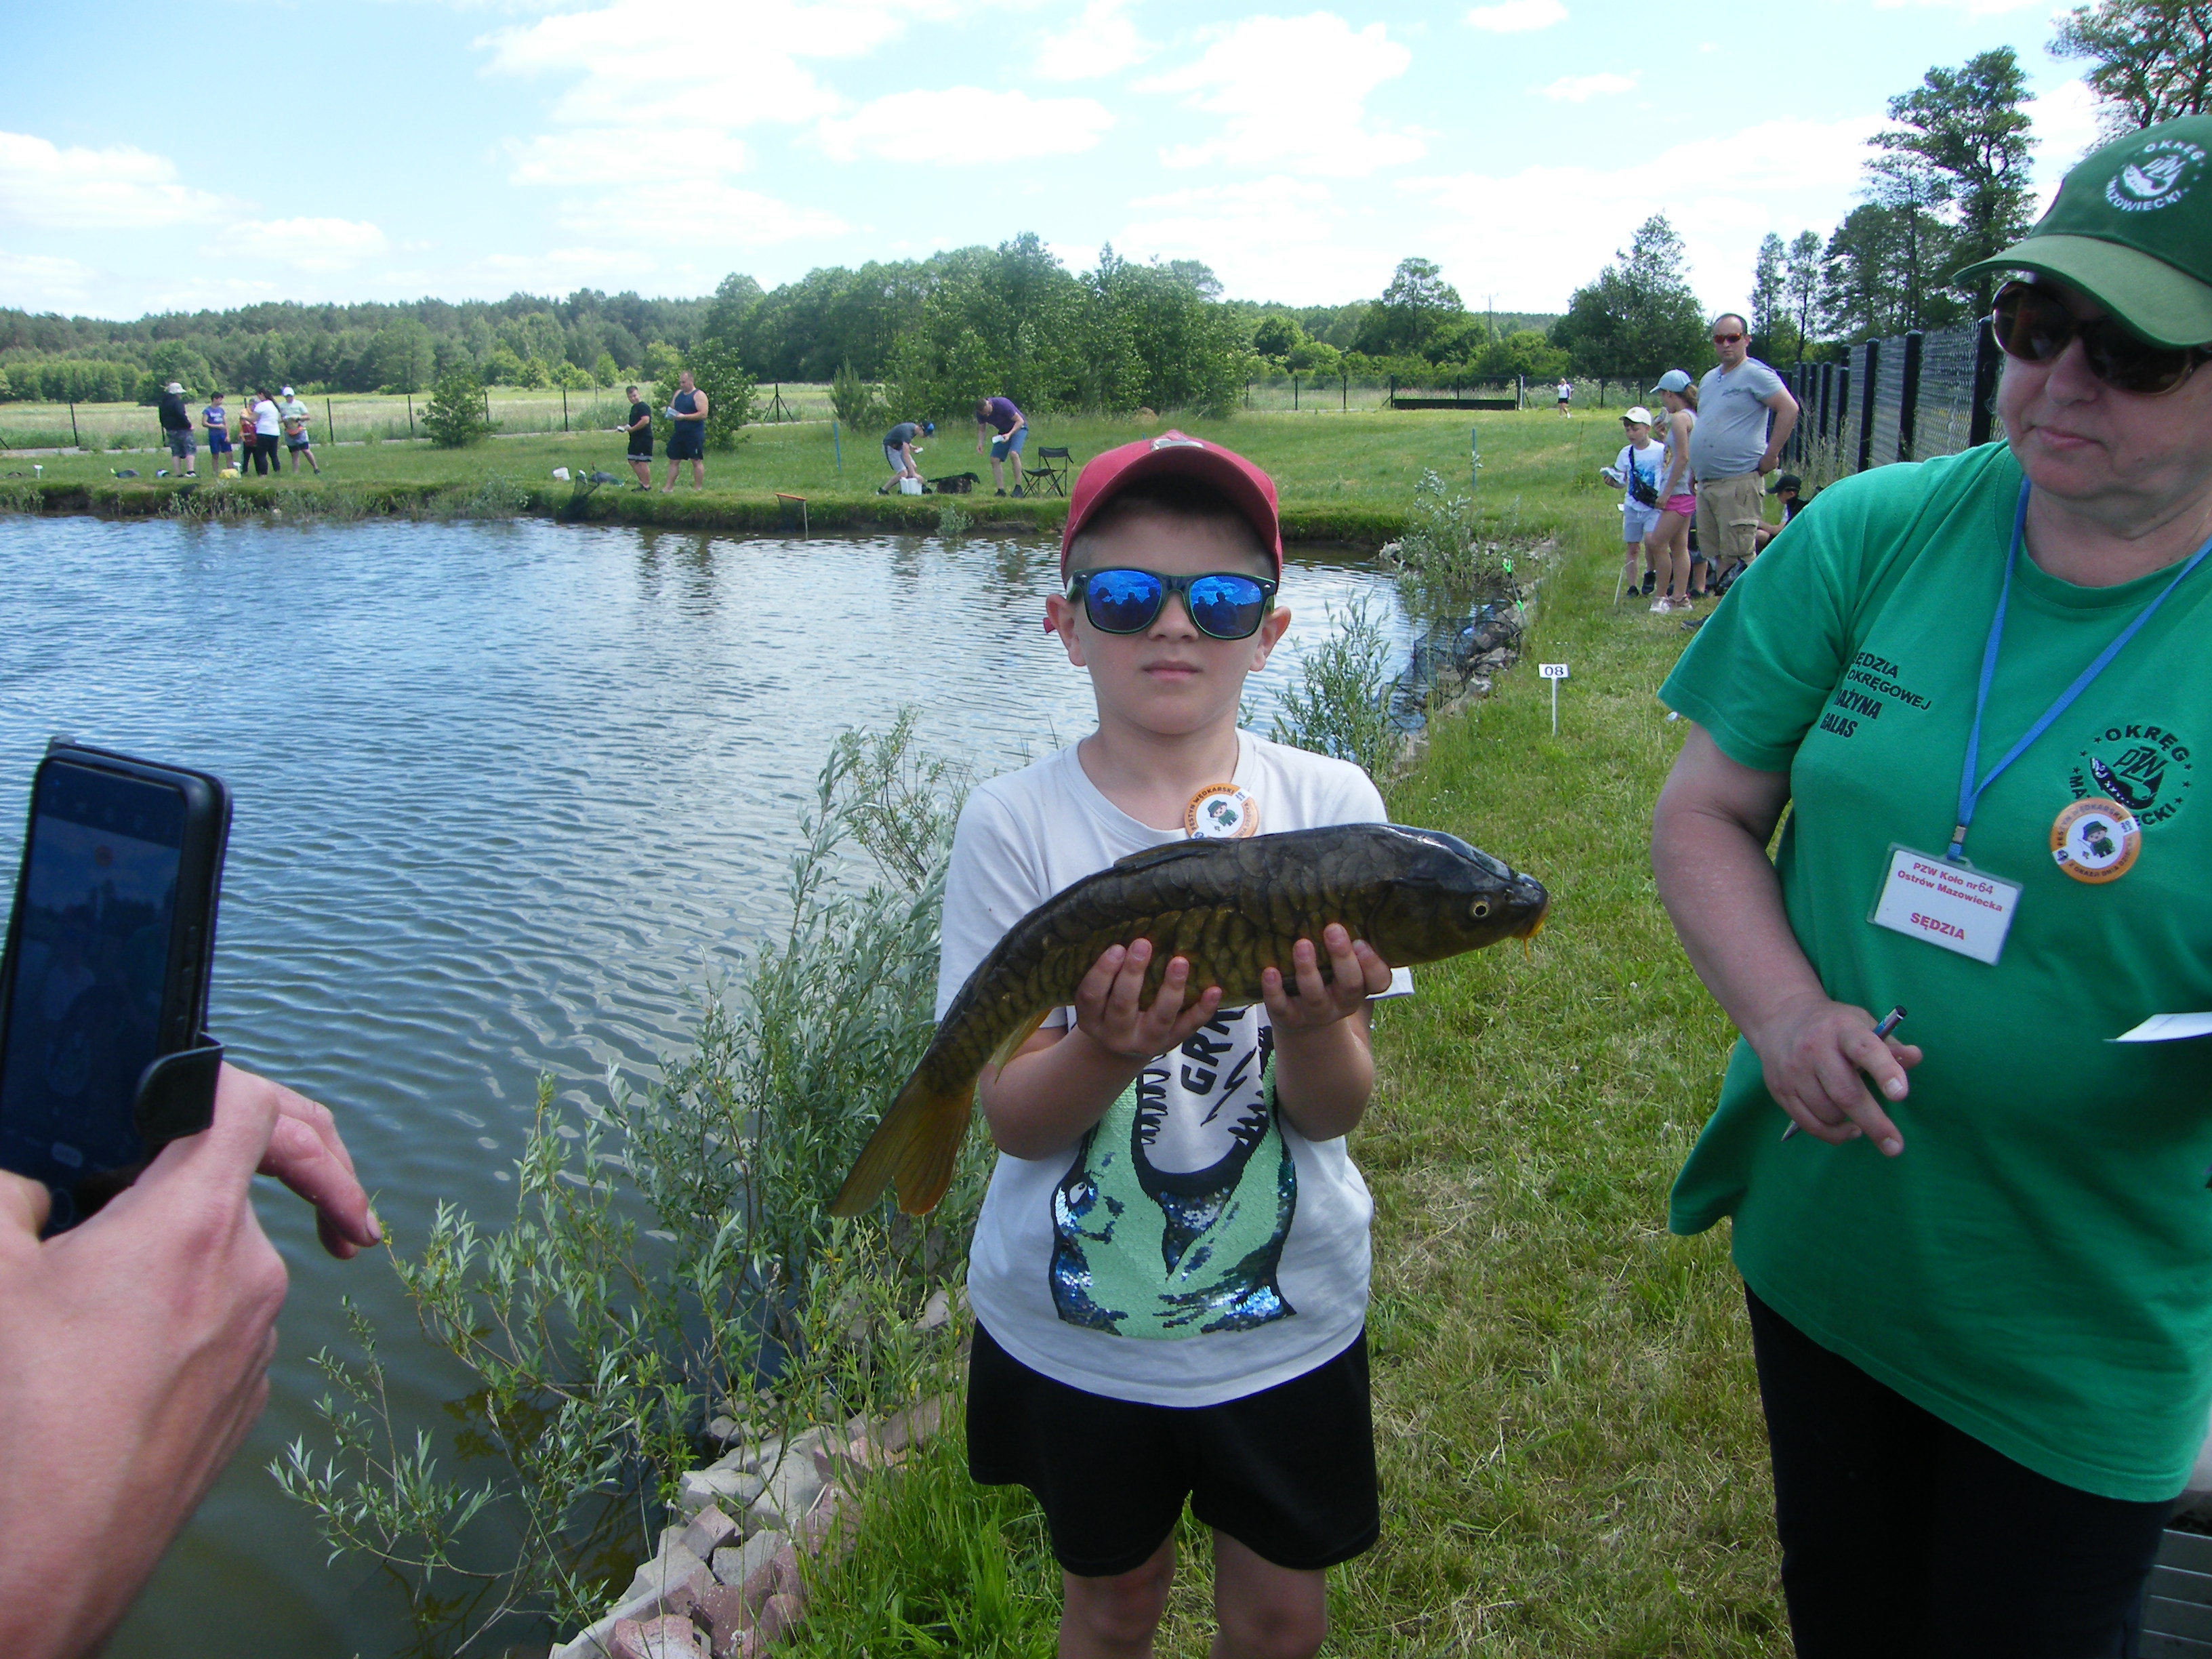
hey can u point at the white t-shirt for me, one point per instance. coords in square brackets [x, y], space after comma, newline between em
[1647, 460]
[1192, 1247]
[265, 420]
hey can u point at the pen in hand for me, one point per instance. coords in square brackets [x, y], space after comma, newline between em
[1888, 1024]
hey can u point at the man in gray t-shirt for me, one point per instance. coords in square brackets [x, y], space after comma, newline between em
[1731, 448]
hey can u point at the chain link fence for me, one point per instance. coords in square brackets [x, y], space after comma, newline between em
[1914, 396]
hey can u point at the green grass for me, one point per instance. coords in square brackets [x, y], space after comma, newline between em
[1342, 477]
[1572, 1454]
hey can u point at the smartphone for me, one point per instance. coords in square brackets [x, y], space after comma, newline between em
[104, 985]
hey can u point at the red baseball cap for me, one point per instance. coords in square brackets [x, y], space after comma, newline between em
[1175, 455]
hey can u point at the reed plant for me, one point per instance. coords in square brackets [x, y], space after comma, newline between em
[671, 1256]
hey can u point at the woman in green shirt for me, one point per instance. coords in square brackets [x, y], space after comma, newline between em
[1981, 1293]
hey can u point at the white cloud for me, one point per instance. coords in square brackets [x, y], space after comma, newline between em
[317, 245]
[713, 215]
[641, 63]
[1722, 193]
[1258, 74]
[1581, 88]
[2067, 120]
[1276, 238]
[1102, 41]
[1970, 8]
[956, 124]
[119, 188]
[1517, 16]
[605, 155]
[39, 282]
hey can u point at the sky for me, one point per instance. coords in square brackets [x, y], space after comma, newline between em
[390, 149]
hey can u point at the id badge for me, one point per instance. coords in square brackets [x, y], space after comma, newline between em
[1953, 905]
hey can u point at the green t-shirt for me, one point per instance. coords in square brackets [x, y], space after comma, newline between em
[2036, 1268]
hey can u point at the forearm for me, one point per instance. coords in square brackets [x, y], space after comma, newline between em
[1048, 1097]
[1785, 423]
[1324, 1077]
[1725, 900]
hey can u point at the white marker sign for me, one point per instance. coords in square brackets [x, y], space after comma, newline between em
[1553, 671]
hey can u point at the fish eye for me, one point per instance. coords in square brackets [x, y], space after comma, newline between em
[1480, 908]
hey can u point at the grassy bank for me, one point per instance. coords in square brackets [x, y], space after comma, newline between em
[1342, 477]
[1573, 1459]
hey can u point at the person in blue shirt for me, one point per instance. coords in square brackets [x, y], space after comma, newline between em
[998, 416]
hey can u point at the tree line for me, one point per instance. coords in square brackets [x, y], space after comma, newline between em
[931, 336]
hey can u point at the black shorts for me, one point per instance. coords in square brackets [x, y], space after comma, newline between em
[1289, 1473]
[641, 451]
[688, 441]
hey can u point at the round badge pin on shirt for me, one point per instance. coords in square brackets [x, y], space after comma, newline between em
[1222, 811]
[2095, 840]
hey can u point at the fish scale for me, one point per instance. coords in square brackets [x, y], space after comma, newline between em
[1229, 908]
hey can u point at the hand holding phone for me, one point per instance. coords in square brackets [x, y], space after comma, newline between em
[104, 984]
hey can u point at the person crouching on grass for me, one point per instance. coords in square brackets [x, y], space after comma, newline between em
[1170, 1270]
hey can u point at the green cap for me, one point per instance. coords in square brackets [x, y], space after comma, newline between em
[2132, 228]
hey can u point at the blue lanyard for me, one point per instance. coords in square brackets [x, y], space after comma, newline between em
[1970, 792]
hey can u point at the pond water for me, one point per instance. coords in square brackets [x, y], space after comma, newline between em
[508, 795]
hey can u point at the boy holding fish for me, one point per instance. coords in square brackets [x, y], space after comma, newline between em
[1170, 1269]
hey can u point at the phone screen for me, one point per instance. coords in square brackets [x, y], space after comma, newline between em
[99, 897]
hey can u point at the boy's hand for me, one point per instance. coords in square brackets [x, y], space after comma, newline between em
[1107, 1003]
[1356, 973]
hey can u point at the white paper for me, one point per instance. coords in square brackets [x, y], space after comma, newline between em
[2168, 1027]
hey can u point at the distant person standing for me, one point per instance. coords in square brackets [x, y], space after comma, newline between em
[899, 451]
[641, 439]
[998, 416]
[1669, 545]
[1636, 472]
[687, 432]
[1732, 450]
[177, 429]
[267, 423]
[297, 438]
[216, 420]
[1566, 395]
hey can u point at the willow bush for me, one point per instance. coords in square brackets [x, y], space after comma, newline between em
[671, 1256]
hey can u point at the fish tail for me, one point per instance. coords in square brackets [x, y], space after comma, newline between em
[913, 1148]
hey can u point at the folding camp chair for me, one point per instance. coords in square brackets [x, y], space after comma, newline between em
[1052, 466]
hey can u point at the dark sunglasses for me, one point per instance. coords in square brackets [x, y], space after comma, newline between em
[2033, 324]
[1726, 339]
[1225, 606]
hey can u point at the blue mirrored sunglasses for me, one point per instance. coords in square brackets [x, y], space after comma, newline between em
[1224, 604]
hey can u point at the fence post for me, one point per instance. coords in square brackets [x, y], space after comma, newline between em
[411, 415]
[1394, 392]
[1987, 358]
[564, 407]
[75, 442]
[1294, 392]
[1870, 395]
[1843, 400]
[1908, 399]
[1344, 398]
[331, 421]
[487, 398]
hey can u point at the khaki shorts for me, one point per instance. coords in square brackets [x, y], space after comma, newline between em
[1729, 516]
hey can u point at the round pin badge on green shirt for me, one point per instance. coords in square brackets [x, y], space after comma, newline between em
[2132, 228]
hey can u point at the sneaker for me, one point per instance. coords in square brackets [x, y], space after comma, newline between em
[1662, 605]
[1650, 582]
[1017, 491]
[998, 492]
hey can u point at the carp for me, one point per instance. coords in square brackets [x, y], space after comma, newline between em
[1230, 908]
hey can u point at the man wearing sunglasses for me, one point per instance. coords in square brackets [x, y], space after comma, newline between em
[1170, 1273]
[1977, 1282]
[1733, 449]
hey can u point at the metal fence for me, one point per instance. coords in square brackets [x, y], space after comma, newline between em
[1900, 399]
